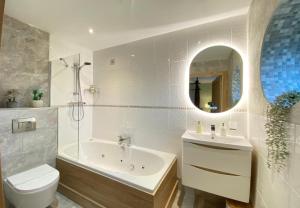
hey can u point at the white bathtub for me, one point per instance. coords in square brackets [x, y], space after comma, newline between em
[138, 167]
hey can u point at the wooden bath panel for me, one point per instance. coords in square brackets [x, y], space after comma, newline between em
[92, 190]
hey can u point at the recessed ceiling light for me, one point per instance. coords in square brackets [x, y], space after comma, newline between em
[199, 42]
[91, 31]
[132, 55]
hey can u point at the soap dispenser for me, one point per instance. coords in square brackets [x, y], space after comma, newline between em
[223, 130]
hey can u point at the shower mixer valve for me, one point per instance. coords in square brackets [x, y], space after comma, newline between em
[124, 140]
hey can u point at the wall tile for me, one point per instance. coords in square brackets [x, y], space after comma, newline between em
[24, 55]
[177, 96]
[297, 134]
[259, 203]
[177, 120]
[22, 151]
[295, 114]
[67, 127]
[197, 38]
[292, 175]
[294, 200]
[177, 72]
[274, 190]
[11, 143]
[108, 122]
[155, 77]
[179, 46]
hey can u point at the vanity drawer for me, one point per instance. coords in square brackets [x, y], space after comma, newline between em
[222, 184]
[226, 160]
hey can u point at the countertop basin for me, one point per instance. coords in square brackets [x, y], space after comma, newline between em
[230, 142]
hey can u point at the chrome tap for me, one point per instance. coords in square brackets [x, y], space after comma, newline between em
[213, 131]
[124, 140]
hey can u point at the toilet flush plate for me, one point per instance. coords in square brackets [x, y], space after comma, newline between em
[23, 124]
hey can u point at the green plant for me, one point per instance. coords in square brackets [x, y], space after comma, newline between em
[37, 94]
[276, 128]
[11, 95]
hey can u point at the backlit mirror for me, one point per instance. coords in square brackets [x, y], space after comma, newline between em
[215, 83]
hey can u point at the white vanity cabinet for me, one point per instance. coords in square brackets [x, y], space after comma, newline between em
[220, 166]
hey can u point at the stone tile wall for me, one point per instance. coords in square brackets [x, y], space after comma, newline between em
[22, 151]
[24, 61]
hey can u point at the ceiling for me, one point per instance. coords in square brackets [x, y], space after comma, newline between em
[119, 21]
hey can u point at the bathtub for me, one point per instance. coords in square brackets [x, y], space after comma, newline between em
[138, 167]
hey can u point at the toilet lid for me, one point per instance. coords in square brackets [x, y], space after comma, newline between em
[34, 179]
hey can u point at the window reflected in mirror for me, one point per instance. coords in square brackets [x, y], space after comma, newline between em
[216, 79]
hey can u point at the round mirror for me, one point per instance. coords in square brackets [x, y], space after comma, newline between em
[216, 76]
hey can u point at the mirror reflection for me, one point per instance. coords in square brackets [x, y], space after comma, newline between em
[216, 79]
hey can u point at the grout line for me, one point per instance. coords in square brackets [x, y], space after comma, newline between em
[137, 106]
[262, 199]
[147, 107]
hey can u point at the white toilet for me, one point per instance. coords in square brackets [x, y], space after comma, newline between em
[34, 188]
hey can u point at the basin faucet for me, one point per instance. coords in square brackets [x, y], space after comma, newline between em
[124, 140]
[213, 131]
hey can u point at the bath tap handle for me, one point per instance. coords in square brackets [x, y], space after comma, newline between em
[122, 139]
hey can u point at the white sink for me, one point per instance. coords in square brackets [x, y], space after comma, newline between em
[233, 142]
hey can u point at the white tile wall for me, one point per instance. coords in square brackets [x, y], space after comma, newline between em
[155, 76]
[274, 189]
[259, 203]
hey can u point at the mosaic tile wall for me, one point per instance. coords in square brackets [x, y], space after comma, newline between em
[280, 61]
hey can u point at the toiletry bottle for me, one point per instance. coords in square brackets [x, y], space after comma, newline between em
[223, 130]
[213, 131]
[199, 127]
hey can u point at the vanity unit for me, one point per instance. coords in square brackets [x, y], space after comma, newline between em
[219, 165]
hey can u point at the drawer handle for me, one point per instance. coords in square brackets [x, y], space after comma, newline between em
[214, 171]
[213, 147]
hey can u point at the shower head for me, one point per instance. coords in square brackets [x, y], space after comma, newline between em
[85, 64]
[63, 60]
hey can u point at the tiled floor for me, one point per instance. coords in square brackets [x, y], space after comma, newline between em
[64, 202]
[188, 200]
[197, 199]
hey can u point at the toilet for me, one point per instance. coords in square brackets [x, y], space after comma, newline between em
[34, 188]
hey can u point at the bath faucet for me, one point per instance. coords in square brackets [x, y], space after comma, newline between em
[213, 131]
[124, 140]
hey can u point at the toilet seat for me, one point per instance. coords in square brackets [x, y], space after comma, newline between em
[34, 188]
[33, 180]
